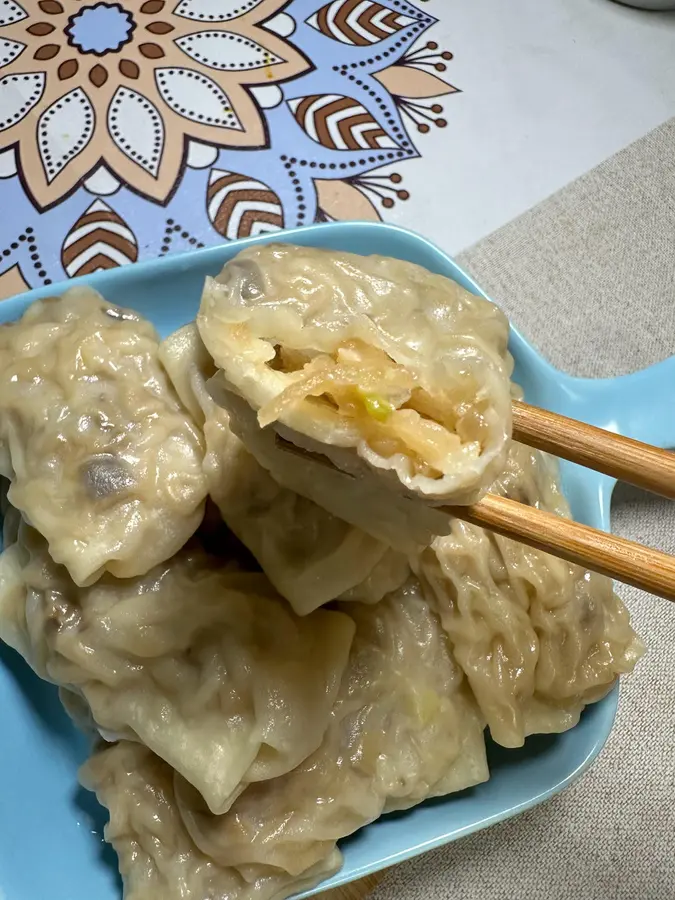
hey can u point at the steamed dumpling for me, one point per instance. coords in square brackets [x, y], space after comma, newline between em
[204, 664]
[537, 637]
[309, 555]
[103, 460]
[157, 858]
[404, 728]
[399, 376]
[404, 368]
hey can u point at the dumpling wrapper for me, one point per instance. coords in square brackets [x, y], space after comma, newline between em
[399, 376]
[537, 637]
[157, 858]
[204, 664]
[405, 525]
[309, 555]
[405, 728]
[102, 458]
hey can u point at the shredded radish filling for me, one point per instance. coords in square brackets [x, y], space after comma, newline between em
[392, 413]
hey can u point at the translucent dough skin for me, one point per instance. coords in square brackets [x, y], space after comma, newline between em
[204, 664]
[537, 637]
[347, 355]
[404, 729]
[103, 459]
[310, 556]
[157, 858]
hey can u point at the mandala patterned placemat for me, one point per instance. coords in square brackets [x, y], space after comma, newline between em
[138, 128]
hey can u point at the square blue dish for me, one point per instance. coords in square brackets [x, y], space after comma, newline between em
[51, 830]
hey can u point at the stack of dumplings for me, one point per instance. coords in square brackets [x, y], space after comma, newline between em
[227, 550]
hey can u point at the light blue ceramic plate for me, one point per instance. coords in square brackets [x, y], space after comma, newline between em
[50, 831]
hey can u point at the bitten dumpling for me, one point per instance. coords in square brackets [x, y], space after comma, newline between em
[399, 376]
[203, 663]
[102, 458]
[310, 556]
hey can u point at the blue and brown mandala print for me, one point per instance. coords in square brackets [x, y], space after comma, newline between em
[138, 128]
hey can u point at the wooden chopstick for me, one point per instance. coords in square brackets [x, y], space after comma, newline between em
[621, 457]
[621, 559]
[644, 568]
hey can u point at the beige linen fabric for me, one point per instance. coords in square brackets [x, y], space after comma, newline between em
[589, 277]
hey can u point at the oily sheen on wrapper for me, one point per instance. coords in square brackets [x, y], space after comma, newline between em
[102, 459]
[404, 728]
[157, 858]
[310, 556]
[397, 375]
[203, 663]
[537, 637]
